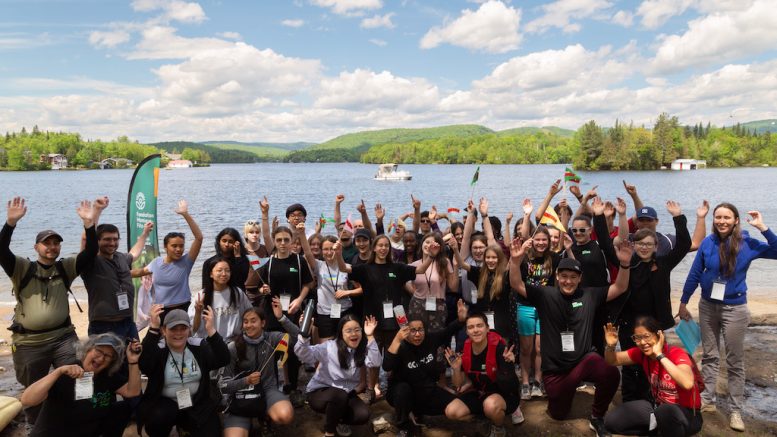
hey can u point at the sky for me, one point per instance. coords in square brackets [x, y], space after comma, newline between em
[310, 70]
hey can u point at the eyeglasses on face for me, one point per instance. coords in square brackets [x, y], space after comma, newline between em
[283, 240]
[579, 230]
[644, 244]
[640, 338]
[351, 331]
[103, 355]
[425, 221]
[416, 331]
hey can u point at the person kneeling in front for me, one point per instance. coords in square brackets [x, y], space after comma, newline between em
[566, 314]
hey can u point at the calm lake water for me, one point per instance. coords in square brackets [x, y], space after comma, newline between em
[228, 195]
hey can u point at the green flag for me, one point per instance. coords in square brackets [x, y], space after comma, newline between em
[141, 208]
[475, 177]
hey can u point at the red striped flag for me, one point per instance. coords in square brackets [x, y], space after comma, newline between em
[571, 176]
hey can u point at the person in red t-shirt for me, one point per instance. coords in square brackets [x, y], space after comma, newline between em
[675, 384]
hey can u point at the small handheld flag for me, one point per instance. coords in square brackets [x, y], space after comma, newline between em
[256, 262]
[549, 217]
[571, 176]
[452, 210]
[348, 226]
[283, 346]
[475, 177]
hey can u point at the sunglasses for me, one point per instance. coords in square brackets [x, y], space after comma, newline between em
[578, 230]
[425, 221]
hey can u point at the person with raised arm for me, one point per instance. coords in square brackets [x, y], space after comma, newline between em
[43, 335]
[673, 378]
[229, 246]
[178, 368]
[720, 269]
[334, 298]
[383, 284]
[428, 301]
[649, 294]
[331, 390]
[228, 302]
[171, 271]
[567, 311]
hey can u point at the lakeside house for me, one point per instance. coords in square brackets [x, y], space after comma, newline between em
[688, 164]
[57, 161]
[116, 163]
[180, 163]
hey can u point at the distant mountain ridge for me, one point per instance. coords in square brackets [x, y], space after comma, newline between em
[762, 126]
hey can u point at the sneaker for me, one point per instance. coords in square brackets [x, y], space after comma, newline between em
[497, 431]
[405, 433]
[380, 425]
[708, 407]
[517, 416]
[597, 425]
[297, 399]
[735, 422]
[343, 430]
[535, 390]
[525, 392]
[368, 396]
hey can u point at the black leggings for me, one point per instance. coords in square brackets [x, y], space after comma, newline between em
[430, 401]
[339, 407]
[633, 418]
[164, 414]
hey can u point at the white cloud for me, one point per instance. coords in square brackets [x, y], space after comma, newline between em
[655, 13]
[349, 7]
[293, 23]
[108, 39]
[230, 35]
[363, 90]
[378, 42]
[623, 18]
[561, 12]
[177, 10]
[719, 38]
[15, 41]
[378, 21]
[492, 28]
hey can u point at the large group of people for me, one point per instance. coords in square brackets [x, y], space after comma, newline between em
[438, 316]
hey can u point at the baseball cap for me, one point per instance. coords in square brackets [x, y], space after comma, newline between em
[110, 340]
[647, 212]
[569, 264]
[294, 208]
[42, 235]
[177, 317]
[362, 232]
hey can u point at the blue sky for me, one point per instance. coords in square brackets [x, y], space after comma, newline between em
[309, 70]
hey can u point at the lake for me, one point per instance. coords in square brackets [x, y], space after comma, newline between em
[228, 195]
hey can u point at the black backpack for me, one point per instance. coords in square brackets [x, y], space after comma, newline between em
[59, 271]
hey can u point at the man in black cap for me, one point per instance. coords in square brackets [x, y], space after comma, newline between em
[566, 313]
[42, 332]
[296, 214]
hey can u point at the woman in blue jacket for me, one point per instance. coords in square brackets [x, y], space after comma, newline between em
[720, 268]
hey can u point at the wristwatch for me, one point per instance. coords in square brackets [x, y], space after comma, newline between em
[660, 357]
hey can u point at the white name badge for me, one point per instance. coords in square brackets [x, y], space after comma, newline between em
[431, 304]
[474, 296]
[184, 398]
[718, 291]
[567, 341]
[388, 310]
[334, 312]
[285, 301]
[653, 423]
[490, 318]
[123, 301]
[85, 386]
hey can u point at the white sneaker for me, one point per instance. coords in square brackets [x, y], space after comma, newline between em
[735, 422]
[708, 407]
[517, 416]
[343, 430]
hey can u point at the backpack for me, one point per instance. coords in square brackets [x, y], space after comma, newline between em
[32, 273]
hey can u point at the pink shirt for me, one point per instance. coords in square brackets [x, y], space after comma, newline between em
[429, 283]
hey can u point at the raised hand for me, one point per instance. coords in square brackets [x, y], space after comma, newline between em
[591, 193]
[379, 212]
[483, 207]
[183, 207]
[339, 199]
[575, 190]
[701, 211]
[434, 249]
[207, 315]
[566, 241]
[555, 188]
[361, 208]
[597, 206]
[509, 217]
[609, 209]
[199, 304]
[621, 206]
[517, 248]
[673, 208]
[402, 334]
[416, 202]
[299, 230]
[133, 351]
[276, 307]
[264, 205]
[236, 249]
[275, 223]
[370, 323]
[527, 206]
[433, 213]
[147, 228]
[508, 354]
[471, 207]
[17, 208]
[84, 211]
[756, 220]
[611, 334]
[454, 359]
[630, 189]
[658, 347]
[155, 315]
[624, 250]
[461, 310]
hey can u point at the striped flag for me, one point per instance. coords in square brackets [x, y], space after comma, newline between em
[549, 217]
[256, 262]
[348, 226]
[283, 346]
[571, 176]
[475, 177]
[452, 210]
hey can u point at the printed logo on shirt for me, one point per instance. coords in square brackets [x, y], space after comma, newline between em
[392, 275]
[577, 304]
[293, 270]
[585, 252]
[416, 364]
[101, 399]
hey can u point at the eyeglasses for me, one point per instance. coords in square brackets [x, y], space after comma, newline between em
[425, 221]
[352, 331]
[252, 223]
[103, 355]
[579, 230]
[644, 244]
[415, 331]
[283, 240]
[640, 338]
[110, 239]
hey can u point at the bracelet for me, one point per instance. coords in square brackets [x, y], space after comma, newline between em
[132, 363]
[484, 215]
[660, 357]
[609, 348]
[154, 330]
[625, 267]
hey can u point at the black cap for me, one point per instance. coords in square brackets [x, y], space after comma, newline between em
[48, 233]
[362, 232]
[569, 264]
[294, 208]
[647, 212]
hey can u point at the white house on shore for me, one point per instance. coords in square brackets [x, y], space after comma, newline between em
[57, 161]
[180, 163]
[688, 164]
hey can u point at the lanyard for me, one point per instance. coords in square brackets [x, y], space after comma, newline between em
[183, 363]
[337, 279]
[429, 278]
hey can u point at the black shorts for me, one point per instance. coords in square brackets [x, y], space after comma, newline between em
[474, 401]
[433, 402]
[327, 326]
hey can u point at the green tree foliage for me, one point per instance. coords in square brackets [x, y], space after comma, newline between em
[213, 153]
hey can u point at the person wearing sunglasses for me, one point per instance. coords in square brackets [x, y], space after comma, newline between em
[415, 369]
[649, 293]
[672, 375]
[80, 399]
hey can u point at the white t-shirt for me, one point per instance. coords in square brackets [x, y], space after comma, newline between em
[329, 278]
[227, 318]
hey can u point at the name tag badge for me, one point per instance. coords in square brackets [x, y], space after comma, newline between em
[431, 304]
[85, 386]
[567, 341]
[388, 310]
[123, 301]
[334, 312]
[718, 290]
[184, 398]
[490, 318]
[474, 296]
[285, 301]
[653, 423]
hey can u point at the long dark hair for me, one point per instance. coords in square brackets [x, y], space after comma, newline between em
[232, 232]
[207, 290]
[729, 245]
[649, 323]
[240, 343]
[440, 259]
[342, 348]
[374, 245]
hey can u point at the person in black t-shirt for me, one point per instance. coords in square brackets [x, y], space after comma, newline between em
[412, 360]
[567, 313]
[383, 285]
[79, 399]
[230, 246]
